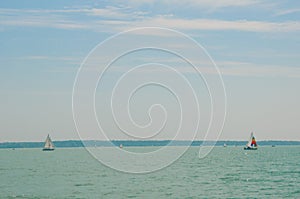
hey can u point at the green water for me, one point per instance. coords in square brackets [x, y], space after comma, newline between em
[270, 172]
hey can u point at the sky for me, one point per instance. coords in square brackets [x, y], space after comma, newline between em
[254, 44]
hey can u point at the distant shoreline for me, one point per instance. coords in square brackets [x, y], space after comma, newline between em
[132, 143]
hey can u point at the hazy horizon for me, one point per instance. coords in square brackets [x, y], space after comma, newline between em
[221, 140]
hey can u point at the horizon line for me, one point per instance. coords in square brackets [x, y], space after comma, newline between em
[151, 141]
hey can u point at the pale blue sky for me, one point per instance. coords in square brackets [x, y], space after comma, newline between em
[255, 43]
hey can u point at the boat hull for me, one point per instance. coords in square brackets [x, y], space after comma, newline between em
[48, 149]
[250, 148]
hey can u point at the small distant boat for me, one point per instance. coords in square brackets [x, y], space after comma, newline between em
[251, 145]
[49, 146]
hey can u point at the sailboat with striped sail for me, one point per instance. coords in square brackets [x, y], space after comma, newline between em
[49, 146]
[251, 145]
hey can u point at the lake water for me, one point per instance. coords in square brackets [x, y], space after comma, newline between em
[231, 172]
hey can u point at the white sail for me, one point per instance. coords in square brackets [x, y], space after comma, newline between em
[48, 144]
[250, 140]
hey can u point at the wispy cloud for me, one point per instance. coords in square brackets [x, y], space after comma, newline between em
[103, 19]
[41, 21]
[202, 3]
[234, 68]
[212, 24]
[44, 57]
[286, 12]
[50, 19]
[109, 12]
[226, 68]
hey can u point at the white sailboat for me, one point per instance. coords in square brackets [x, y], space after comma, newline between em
[49, 146]
[251, 145]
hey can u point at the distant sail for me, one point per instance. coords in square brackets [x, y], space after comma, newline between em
[250, 140]
[49, 146]
[251, 145]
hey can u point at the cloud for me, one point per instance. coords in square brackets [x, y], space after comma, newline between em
[226, 68]
[286, 12]
[116, 19]
[109, 12]
[197, 3]
[42, 21]
[213, 24]
[233, 68]
[49, 58]
[104, 19]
